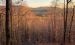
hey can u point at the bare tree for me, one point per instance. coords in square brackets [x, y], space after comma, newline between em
[8, 4]
[54, 3]
[65, 22]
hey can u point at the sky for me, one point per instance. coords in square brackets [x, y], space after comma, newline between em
[34, 3]
[2, 2]
[38, 3]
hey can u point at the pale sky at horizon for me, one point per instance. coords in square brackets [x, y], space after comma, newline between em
[38, 3]
[34, 3]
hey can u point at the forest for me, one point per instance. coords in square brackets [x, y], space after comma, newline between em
[37, 26]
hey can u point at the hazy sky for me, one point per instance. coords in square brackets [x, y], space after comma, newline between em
[2, 2]
[38, 3]
[34, 3]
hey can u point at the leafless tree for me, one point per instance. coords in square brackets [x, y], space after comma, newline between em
[8, 4]
[54, 3]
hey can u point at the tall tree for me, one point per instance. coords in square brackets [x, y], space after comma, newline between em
[8, 6]
[65, 22]
[54, 3]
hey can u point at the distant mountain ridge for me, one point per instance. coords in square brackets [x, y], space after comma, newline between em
[41, 10]
[44, 10]
[49, 10]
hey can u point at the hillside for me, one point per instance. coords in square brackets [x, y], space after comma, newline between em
[43, 25]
